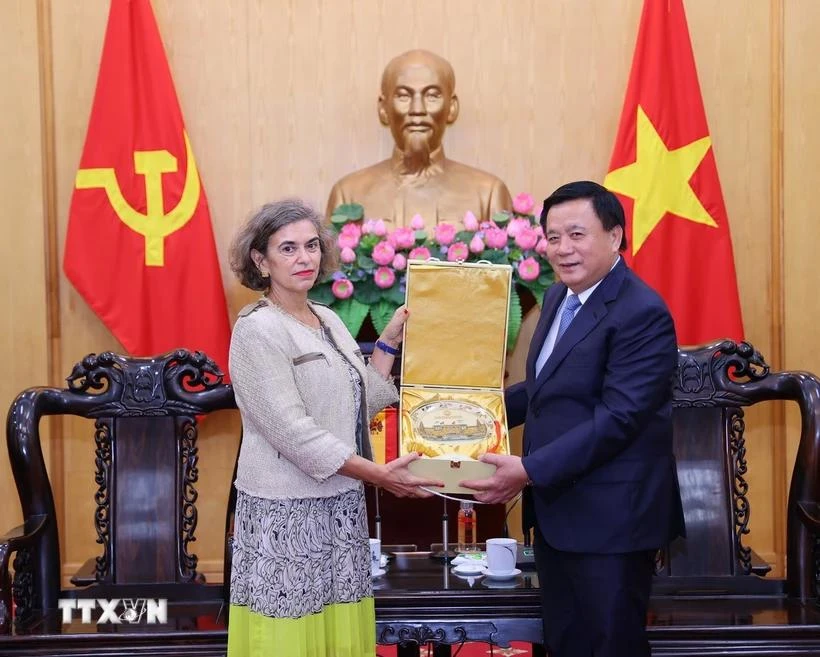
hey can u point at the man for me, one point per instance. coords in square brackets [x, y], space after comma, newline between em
[418, 102]
[598, 473]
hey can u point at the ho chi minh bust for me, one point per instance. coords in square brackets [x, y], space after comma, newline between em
[418, 102]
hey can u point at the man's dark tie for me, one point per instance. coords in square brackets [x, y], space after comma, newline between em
[572, 304]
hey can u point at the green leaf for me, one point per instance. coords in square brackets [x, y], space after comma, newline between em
[395, 295]
[352, 313]
[421, 235]
[353, 211]
[547, 276]
[339, 219]
[322, 294]
[365, 262]
[514, 320]
[495, 256]
[367, 292]
[501, 218]
[369, 241]
[464, 236]
[537, 293]
[381, 313]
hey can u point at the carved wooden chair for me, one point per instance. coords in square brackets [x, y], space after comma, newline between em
[713, 385]
[145, 412]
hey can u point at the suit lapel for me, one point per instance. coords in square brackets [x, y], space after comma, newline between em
[588, 317]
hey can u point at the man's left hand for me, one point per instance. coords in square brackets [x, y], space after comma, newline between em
[507, 481]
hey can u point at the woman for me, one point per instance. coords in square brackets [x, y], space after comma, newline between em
[300, 584]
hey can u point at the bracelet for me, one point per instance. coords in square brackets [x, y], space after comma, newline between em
[386, 348]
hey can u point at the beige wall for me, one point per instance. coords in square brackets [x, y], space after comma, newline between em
[279, 98]
[24, 347]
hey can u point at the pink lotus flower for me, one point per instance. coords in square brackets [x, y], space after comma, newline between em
[523, 204]
[384, 277]
[444, 233]
[495, 238]
[527, 239]
[349, 236]
[419, 253]
[476, 244]
[457, 251]
[342, 289]
[399, 262]
[347, 255]
[470, 222]
[368, 226]
[402, 238]
[379, 228]
[541, 247]
[529, 269]
[383, 253]
[351, 228]
[515, 226]
[417, 223]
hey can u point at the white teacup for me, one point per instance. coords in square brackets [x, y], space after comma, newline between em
[501, 555]
[375, 555]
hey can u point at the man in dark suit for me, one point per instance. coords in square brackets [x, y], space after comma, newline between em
[598, 473]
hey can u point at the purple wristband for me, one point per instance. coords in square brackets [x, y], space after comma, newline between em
[386, 348]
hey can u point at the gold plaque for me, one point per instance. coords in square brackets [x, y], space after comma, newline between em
[451, 397]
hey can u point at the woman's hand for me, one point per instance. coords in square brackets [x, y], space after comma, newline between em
[393, 332]
[401, 482]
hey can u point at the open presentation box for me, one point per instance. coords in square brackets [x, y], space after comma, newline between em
[451, 404]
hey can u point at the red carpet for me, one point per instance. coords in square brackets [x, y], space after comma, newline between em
[518, 649]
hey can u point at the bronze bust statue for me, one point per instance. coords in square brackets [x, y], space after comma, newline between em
[418, 102]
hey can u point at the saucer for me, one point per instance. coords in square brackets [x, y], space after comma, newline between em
[508, 575]
[509, 583]
[469, 569]
[380, 572]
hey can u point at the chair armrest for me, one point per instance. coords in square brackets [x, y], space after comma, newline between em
[809, 513]
[18, 538]
[23, 535]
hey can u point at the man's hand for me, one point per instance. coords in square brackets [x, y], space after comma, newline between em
[507, 481]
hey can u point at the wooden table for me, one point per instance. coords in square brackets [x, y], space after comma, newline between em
[420, 599]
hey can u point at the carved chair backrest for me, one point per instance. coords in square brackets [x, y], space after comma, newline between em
[145, 412]
[712, 386]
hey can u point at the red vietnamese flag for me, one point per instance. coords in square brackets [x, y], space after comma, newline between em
[139, 247]
[664, 171]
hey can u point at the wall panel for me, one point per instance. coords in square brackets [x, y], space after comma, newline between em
[280, 99]
[801, 162]
[24, 347]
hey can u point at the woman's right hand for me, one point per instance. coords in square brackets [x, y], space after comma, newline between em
[402, 483]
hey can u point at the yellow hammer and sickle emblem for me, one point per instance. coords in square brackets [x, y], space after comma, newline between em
[155, 225]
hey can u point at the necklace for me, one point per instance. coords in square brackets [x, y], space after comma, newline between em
[310, 318]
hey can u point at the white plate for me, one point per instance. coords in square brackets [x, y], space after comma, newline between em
[488, 573]
[378, 573]
[469, 569]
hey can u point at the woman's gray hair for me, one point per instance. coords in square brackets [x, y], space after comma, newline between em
[257, 230]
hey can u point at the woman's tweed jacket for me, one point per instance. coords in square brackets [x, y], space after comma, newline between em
[296, 400]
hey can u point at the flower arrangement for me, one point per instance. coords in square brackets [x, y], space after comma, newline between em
[372, 277]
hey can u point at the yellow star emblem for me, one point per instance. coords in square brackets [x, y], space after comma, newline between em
[658, 180]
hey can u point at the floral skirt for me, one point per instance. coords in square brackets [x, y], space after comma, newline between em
[300, 580]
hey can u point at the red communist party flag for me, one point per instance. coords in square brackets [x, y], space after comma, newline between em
[663, 170]
[139, 247]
